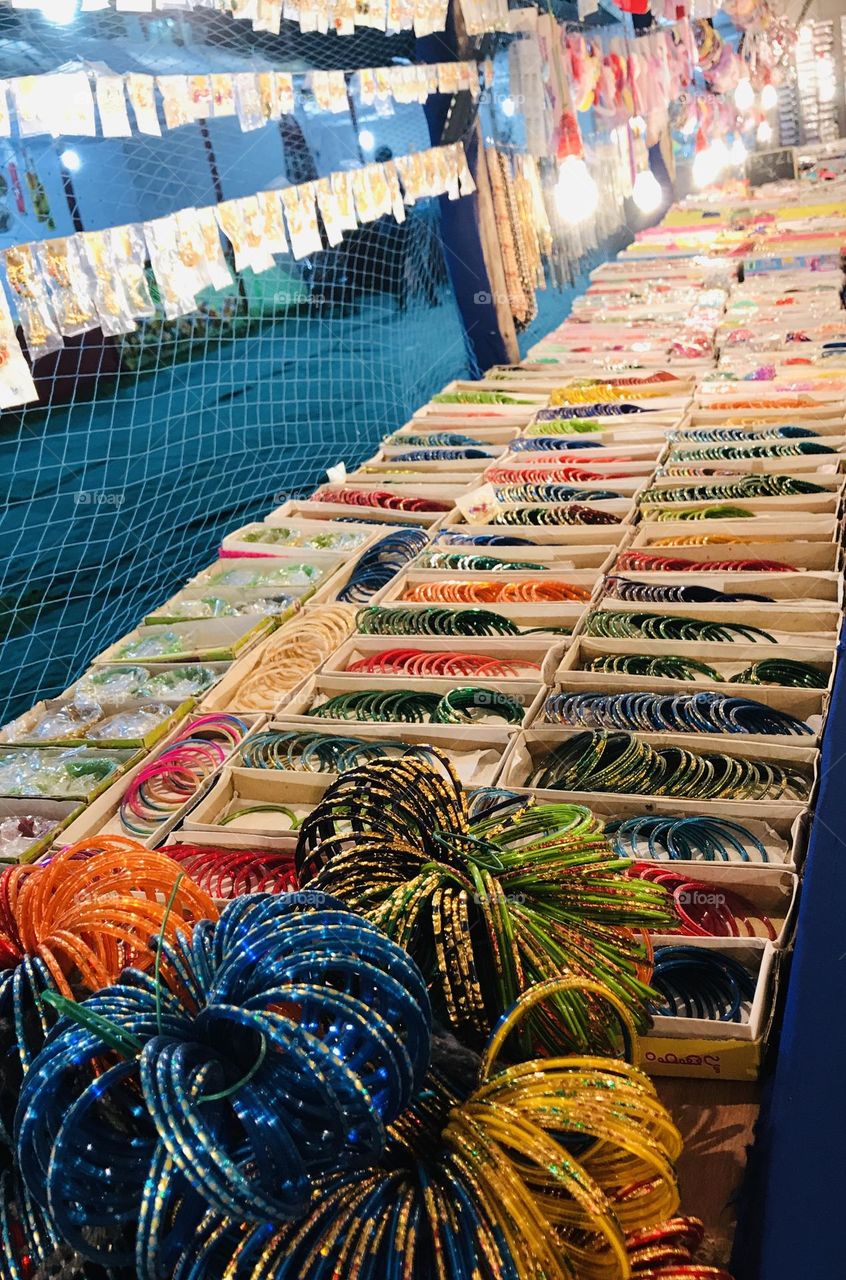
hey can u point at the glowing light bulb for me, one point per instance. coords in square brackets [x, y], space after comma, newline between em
[690, 125]
[366, 140]
[710, 163]
[71, 160]
[769, 97]
[638, 124]
[507, 106]
[764, 134]
[737, 152]
[576, 193]
[826, 80]
[744, 95]
[647, 193]
[59, 12]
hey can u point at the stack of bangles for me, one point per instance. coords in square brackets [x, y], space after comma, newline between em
[706, 909]
[601, 761]
[668, 1252]
[470, 563]
[293, 653]
[736, 453]
[176, 774]
[573, 513]
[711, 539]
[702, 712]
[620, 625]
[723, 512]
[751, 486]
[552, 444]
[523, 591]
[559, 426]
[441, 455]
[705, 435]
[232, 873]
[690, 839]
[309, 752]
[435, 440]
[552, 493]
[383, 498]
[378, 620]
[382, 562]
[695, 983]
[546, 475]
[674, 592]
[650, 562]
[441, 662]
[458, 706]
[455, 539]
[786, 672]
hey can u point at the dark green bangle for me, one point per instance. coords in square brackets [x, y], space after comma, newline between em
[620, 625]
[783, 671]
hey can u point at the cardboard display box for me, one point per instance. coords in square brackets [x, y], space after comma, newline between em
[211, 640]
[62, 812]
[321, 688]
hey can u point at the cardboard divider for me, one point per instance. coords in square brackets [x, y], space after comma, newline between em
[549, 558]
[102, 815]
[787, 589]
[398, 587]
[209, 640]
[807, 705]
[321, 688]
[62, 812]
[19, 732]
[529, 649]
[239, 788]
[709, 1049]
[817, 624]
[475, 751]
[570, 663]
[532, 745]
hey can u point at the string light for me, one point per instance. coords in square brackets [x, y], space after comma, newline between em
[647, 193]
[710, 163]
[366, 140]
[769, 97]
[764, 134]
[738, 152]
[744, 95]
[507, 107]
[576, 193]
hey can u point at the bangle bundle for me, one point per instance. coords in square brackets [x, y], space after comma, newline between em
[486, 907]
[694, 983]
[602, 761]
[722, 512]
[650, 562]
[292, 654]
[572, 513]
[459, 706]
[293, 1038]
[232, 873]
[705, 435]
[543, 475]
[309, 752]
[716, 453]
[552, 443]
[441, 662]
[705, 909]
[673, 592]
[668, 1252]
[70, 926]
[381, 621]
[552, 493]
[441, 455]
[756, 485]
[471, 563]
[659, 666]
[685, 839]
[701, 712]
[614, 625]
[172, 777]
[783, 671]
[380, 563]
[522, 591]
[433, 439]
[383, 498]
[455, 539]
